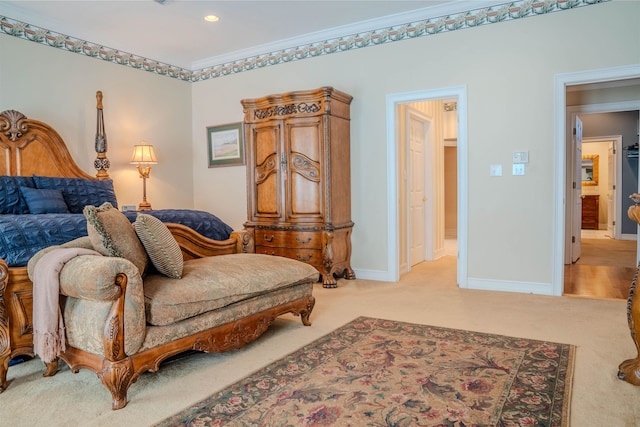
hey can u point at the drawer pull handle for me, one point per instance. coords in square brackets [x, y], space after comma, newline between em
[299, 240]
[304, 259]
[268, 239]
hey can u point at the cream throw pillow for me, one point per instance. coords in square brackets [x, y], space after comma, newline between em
[112, 234]
[160, 244]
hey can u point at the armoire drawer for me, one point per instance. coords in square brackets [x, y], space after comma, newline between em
[310, 256]
[290, 239]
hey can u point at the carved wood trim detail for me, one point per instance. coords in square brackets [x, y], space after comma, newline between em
[13, 124]
[118, 375]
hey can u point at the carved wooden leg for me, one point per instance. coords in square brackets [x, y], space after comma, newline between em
[4, 367]
[349, 274]
[629, 370]
[51, 368]
[117, 377]
[304, 315]
[328, 281]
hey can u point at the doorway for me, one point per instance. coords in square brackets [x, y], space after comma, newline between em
[564, 213]
[430, 122]
[603, 266]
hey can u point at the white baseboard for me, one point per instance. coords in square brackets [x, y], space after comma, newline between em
[510, 286]
[473, 283]
[379, 275]
[628, 237]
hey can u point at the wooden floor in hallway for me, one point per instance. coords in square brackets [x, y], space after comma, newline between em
[605, 269]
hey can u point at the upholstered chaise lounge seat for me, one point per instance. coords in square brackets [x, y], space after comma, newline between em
[120, 323]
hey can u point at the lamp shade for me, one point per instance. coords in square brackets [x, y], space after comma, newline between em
[143, 153]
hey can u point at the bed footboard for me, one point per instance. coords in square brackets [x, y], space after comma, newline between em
[16, 328]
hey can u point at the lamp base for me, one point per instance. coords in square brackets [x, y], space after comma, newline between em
[144, 206]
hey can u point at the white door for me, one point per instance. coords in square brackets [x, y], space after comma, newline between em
[417, 197]
[611, 190]
[577, 190]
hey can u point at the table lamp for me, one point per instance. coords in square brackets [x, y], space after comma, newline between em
[144, 156]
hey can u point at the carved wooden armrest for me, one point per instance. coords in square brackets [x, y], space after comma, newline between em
[195, 245]
[113, 334]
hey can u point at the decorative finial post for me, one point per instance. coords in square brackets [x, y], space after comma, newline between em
[101, 163]
[629, 370]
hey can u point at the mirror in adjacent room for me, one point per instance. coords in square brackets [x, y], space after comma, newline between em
[590, 169]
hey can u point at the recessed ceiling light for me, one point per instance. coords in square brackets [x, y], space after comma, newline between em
[211, 18]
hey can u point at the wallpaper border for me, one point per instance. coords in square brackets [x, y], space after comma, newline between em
[469, 19]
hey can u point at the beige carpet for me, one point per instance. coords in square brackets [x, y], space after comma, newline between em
[427, 295]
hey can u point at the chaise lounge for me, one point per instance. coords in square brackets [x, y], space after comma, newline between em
[120, 323]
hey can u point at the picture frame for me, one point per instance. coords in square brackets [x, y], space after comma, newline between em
[590, 169]
[226, 145]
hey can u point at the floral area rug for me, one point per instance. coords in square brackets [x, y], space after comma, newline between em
[374, 372]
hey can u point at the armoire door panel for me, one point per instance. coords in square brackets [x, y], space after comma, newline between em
[268, 197]
[307, 200]
[305, 137]
[267, 142]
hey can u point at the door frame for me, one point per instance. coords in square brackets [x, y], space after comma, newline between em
[616, 140]
[561, 81]
[393, 223]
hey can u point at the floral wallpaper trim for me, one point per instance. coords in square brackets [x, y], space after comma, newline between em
[469, 19]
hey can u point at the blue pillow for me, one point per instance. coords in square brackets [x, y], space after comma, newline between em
[80, 192]
[44, 201]
[10, 200]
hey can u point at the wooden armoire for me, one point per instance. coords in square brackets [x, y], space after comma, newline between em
[298, 178]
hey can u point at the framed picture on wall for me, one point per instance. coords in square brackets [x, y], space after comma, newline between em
[226, 145]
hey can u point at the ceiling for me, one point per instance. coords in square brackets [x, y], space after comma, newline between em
[175, 32]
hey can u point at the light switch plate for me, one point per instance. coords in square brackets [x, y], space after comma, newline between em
[495, 170]
[520, 157]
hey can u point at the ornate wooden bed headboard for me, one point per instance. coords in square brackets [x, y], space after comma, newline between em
[32, 147]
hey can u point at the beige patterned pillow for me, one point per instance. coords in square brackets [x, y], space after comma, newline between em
[160, 244]
[112, 234]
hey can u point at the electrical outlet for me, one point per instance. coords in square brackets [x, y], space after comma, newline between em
[518, 169]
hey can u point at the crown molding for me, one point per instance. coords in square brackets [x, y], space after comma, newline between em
[446, 18]
[388, 21]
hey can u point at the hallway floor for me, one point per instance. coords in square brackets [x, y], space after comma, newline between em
[605, 269]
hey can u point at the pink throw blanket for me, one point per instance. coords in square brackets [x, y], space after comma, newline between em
[48, 325]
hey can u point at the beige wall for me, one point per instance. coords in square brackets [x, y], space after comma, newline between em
[510, 108]
[59, 88]
[508, 69]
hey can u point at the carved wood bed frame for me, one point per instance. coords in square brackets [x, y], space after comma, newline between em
[33, 147]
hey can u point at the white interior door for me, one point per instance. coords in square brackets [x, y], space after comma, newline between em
[577, 190]
[611, 190]
[417, 197]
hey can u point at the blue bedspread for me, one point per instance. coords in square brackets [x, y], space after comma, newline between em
[21, 236]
